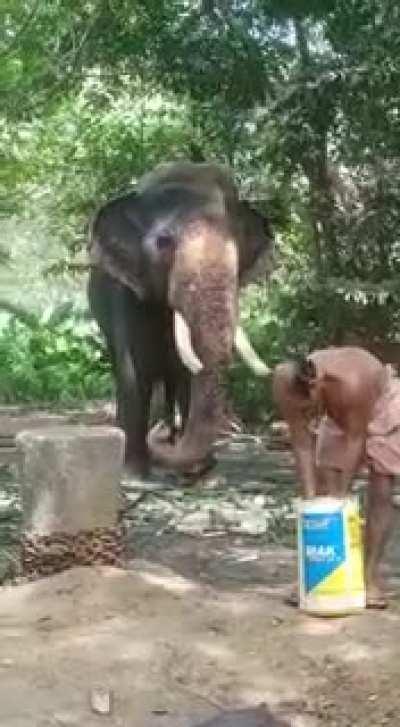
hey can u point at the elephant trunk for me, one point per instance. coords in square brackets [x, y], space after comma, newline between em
[204, 291]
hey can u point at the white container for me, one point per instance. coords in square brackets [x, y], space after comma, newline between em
[330, 556]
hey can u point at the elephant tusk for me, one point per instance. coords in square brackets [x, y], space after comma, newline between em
[248, 354]
[184, 344]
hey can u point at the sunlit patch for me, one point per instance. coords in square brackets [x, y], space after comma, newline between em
[388, 616]
[299, 721]
[277, 592]
[269, 690]
[215, 651]
[358, 652]
[319, 627]
[173, 584]
[136, 651]
[116, 637]
[234, 606]
[111, 571]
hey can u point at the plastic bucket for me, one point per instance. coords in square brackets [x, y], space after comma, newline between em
[330, 556]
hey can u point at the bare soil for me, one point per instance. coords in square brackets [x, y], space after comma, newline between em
[196, 629]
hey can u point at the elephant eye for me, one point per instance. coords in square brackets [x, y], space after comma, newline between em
[164, 241]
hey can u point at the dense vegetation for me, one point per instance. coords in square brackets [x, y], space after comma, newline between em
[300, 97]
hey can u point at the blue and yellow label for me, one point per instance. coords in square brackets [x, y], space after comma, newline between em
[323, 548]
[331, 552]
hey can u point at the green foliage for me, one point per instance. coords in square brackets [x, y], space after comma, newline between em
[284, 319]
[300, 97]
[92, 147]
[53, 357]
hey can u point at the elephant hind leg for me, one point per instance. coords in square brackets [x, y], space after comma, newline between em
[170, 409]
[177, 393]
[135, 426]
[184, 398]
[133, 396]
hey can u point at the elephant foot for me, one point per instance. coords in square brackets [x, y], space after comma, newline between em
[136, 469]
[199, 469]
[161, 440]
[164, 433]
[188, 476]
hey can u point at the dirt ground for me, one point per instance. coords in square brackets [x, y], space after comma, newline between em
[196, 627]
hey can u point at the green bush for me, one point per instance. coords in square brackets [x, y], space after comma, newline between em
[298, 312]
[59, 355]
[54, 357]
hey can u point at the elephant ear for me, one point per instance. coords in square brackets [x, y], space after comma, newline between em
[115, 243]
[256, 244]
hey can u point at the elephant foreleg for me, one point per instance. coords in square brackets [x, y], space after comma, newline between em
[133, 406]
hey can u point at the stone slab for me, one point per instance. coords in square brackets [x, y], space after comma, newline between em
[70, 477]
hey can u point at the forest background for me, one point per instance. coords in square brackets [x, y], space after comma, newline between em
[300, 97]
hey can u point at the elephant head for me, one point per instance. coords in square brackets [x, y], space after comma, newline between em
[183, 239]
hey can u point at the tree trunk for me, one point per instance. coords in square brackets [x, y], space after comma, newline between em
[316, 169]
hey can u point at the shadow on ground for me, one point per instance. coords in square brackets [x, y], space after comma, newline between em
[196, 628]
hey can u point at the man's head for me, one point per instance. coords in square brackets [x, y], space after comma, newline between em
[305, 378]
[295, 389]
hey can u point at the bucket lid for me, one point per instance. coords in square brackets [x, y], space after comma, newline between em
[325, 504]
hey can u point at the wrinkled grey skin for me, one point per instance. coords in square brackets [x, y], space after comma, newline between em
[168, 246]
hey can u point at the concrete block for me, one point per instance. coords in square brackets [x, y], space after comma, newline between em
[70, 478]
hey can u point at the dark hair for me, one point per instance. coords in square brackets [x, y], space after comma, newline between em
[305, 373]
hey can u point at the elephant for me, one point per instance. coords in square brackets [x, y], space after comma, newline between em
[167, 261]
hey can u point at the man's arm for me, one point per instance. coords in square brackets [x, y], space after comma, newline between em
[296, 410]
[303, 443]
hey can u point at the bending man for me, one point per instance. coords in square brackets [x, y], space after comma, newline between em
[357, 402]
